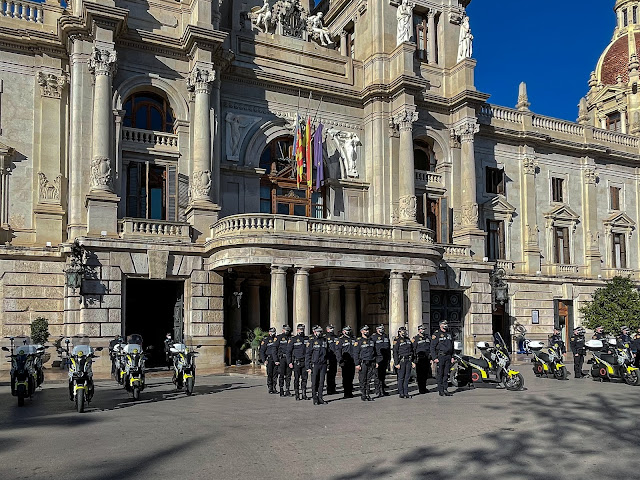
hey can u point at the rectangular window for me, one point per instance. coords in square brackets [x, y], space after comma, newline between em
[625, 17]
[556, 190]
[635, 14]
[151, 191]
[614, 122]
[561, 245]
[619, 253]
[495, 180]
[614, 193]
[495, 240]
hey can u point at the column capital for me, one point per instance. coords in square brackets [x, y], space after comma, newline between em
[279, 269]
[405, 117]
[416, 276]
[200, 80]
[395, 274]
[344, 33]
[431, 13]
[51, 85]
[466, 129]
[302, 269]
[103, 61]
[529, 165]
[590, 176]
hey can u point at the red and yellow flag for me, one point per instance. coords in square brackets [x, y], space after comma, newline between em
[309, 156]
[299, 159]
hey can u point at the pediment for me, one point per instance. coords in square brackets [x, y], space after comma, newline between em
[499, 204]
[620, 219]
[608, 92]
[5, 149]
[562, 212]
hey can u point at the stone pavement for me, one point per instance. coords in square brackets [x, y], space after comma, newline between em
[231, 428]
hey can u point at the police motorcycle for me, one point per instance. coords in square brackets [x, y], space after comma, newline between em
[27, 372]
[612, 360]
[115, 355]
[547, 362]
[80, 357]
[493, 366]
[133, 376]
[184, 366]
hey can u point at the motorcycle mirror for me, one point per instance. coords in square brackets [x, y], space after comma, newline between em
[98, 349]
[5, 349]
[198, 346]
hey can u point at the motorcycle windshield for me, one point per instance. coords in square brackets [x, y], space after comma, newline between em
[134, 338]
[498, 340]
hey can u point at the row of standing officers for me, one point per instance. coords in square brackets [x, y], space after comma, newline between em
[370, 355]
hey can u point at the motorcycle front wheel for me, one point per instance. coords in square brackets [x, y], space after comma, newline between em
[561, 373]
[189, 385]
[632, 378]
[136, 393]
[80, 400]
[21, 395]
[514, 382]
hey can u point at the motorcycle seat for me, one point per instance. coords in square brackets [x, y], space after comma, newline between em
[610, 359]
[481, 362]
[543, 356]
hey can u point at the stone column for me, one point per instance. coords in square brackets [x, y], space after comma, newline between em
[102, 203]
[431, 37]
[335, 307]
[396, 303]
[529, 209]
[279, 308]
[623, 119]
[344, 48]
[415, 303]
[406, 170]
[591, 226]
[301, 296]
[350, 312]
[324, 304]
[253, 303]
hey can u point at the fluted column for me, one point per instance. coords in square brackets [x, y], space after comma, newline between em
[469, 208]
[406, 174]
[279, 308]
[199, 82]
[396, 302]
[335, 306]
[529, 213]
[431, 37]
[301, 295]
[350, 311]
[415, 303]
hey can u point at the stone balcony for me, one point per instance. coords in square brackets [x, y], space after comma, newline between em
[154, 230]
[139, 140]
[560, 270]
[609, 273]
[27, 15]
[431, 181]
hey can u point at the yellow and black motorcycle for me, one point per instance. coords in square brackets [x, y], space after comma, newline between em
[549, 362]
[133, 373]
[493, 366]
[612, 360]
[184, 366]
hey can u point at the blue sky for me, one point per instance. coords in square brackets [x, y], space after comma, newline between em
[551, 45]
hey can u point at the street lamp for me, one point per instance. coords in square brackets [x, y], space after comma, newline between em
[75, 271]
[499, 289]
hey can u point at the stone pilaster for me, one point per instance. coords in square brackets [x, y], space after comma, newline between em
[396, 302]
[406, 170]
[350, 312]
[279, 308]
[528, 201]
[415, 303]
[431, 37]
[590, 216]
[301, 299]
[335, 306]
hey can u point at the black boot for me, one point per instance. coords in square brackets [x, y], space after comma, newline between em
[297, 395]
[281, 392]
[304, 394]
[287, 393]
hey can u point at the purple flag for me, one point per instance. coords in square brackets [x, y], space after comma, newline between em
[318, 157]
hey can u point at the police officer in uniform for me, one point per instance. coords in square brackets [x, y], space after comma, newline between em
[364, 356]
[635, 348]
[344, 354]
[403, 360]
[383, 351]
[442, 353]
[624, 338]
[297, 360]
[422, 350]
[316, 363]
[284, 344]
[579, 350]
[269, 356]
[556, 340]
[332, 361]
[599, 334]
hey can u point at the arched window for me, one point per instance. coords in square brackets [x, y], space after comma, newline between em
[148, 111]
[424, 157]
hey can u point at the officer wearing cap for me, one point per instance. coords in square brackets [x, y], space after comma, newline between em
[403, 359]
[316, 363]
[578, 347]
[344, 354]
[332, 361]
[635, 348]
[284, 360]
[269, 356]
[421, 347]
[442, 353]
[383, 358]
[364, 357]
[297, 354]
[556, 341]
[599, 334]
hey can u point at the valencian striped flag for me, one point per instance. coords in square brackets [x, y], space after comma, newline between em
[307, 142]
[317, 155]
[299, 157]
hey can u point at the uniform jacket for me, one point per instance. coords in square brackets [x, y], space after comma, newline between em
[344, 348]
[269, 348]
[298, 348]
[635, 343]
[441, 344]
[364, 350]
[317, 351]
[284, 345]
[331, 338]
[422, 345]
[383, 347]
[557, 340]
[402, 348]
[577, 345]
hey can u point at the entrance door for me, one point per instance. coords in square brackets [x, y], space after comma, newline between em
[564, 318]
[154, 308]
[447, 304]
[500, 321]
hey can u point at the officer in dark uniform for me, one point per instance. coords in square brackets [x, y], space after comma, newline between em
[297, 360]
[168, 343]
[624, 340]
[422, 350]
[332, 361]
[364, 356]
[403, 359]
[442, 353]
[284, 344]
[635, 348]
[344, 354]
[269, 356]
[599, 334]
[316, 363]
[579, 350]
[383, 358]
[556, 340]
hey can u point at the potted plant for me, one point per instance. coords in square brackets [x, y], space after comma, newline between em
[253, 338]
[40, 335]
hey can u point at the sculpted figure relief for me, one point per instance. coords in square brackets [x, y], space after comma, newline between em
[200, 184]
[261, 17]
[346, 144]
[465, 45]
[101, 173]
[237, 127]
[317, 30]
[404, 15]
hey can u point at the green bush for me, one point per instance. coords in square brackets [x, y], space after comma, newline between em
[614, 305]
[40, 331]
[253, 338]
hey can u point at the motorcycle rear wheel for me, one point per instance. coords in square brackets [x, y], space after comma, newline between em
[632, 378]
[514, 382]
[561, 373]
[136, 393]
[189, 385]
[80, 400]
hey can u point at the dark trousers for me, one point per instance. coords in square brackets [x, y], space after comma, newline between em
[332, 370]
[404, 373]
[348, 374]
[285, 374]
[272, 374]
[444, 365]
[380, 377]
[423, 372]
[636, 363]
[578, 360]
[300, 376]
[318, 373]
[367, 371]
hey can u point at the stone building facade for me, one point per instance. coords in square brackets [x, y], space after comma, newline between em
[158, 135]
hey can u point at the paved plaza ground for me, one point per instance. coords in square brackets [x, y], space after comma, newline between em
[232, 429]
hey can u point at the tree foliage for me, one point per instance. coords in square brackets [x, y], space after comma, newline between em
[39, 331]
[614, 305]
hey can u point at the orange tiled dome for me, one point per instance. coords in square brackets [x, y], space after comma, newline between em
[616, 61]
